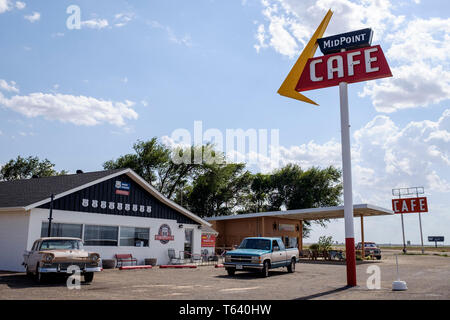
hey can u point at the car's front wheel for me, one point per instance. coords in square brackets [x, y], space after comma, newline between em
[40, 277]
[88, 277]
[28, 272]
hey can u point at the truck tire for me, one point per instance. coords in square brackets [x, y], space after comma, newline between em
[231, 271]
[291, 266]
[265, 269]
[88, 277]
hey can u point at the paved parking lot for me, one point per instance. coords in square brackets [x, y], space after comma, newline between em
[427, 277]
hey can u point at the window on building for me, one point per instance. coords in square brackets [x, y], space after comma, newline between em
[62, 230]
[134, 237]
[100, 235]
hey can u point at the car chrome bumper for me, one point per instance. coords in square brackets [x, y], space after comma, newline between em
[55, 270]
[244, 266]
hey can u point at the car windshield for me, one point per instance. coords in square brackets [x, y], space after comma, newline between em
[260, 244]
[61, 244]
[370, 245]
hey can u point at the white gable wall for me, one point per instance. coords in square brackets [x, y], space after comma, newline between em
[13, 240]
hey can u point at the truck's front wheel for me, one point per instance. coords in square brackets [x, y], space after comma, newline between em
[231, 271]
[291, 266]
[265, 269]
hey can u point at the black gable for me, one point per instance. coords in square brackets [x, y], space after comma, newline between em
[120, 195]
[24, 192]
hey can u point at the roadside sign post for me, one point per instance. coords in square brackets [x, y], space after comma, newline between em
[420, 224]
[350, 253]
[436, 239]
[348, 58]
[403, 224]
[410, 205]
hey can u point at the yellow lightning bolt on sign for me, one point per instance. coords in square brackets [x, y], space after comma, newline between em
[287, 89]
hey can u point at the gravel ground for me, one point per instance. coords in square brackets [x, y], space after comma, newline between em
[427, 277]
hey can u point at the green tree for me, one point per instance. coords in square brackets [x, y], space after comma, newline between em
[258, 193]
[220, 190]
[154, 162]
[294, 188]
[25, 168]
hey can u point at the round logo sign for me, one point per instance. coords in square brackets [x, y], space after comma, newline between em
[164, 234]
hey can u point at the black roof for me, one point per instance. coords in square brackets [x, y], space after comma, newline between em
[22, 193]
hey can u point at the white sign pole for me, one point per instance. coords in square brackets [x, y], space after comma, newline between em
[348, 196]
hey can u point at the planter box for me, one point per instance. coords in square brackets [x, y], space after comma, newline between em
[108, 263]
[150, 261]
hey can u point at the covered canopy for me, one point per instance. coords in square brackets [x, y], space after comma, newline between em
[313, 213]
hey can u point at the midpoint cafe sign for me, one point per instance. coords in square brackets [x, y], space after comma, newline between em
[410, 205]
[350, 40]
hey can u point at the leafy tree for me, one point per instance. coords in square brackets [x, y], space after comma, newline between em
[154, 162]
[256, 199]
[294, 188]
[25, 168]
[219, 190]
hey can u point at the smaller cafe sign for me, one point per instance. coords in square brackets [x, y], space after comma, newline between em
[164, 234]
[410, 205]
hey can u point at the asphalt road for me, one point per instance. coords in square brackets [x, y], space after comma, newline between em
[427, 277]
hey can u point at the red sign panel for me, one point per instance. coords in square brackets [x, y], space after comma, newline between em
[123, 192]
[350, 66]
[208, 240]
[409, 205]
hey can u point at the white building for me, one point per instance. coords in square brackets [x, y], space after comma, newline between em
[113, 211]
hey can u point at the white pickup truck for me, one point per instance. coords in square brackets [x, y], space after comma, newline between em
[261, 254]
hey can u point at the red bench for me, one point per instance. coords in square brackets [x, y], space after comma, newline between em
[125, 257]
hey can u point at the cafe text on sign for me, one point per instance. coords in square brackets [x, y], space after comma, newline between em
[410, 205]
[350, 66]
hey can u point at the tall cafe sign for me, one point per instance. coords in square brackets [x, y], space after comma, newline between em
[347, 58]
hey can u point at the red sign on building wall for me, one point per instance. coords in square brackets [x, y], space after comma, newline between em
[350, 66]
[410, 205]
[208, 240]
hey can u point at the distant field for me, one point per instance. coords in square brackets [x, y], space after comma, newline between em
[409, 248]
[433, 249]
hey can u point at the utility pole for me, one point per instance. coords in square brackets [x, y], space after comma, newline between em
[50, 217]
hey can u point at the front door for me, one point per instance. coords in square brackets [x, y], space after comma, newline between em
[188, 243]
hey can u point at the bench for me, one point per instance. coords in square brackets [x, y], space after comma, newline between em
[125, 257]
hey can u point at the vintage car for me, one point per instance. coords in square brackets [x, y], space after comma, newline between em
[55, 255]
[371, 249]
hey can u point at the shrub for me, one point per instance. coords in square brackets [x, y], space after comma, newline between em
[325, 243]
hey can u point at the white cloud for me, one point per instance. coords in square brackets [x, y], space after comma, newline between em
[5, 5]
[57, 34]
[20, 5]
[95, 23]
[36, 16]
[290, 23]
[422, 77]
[122, 19]
[79, 110]
[185, 40]
[10, 87]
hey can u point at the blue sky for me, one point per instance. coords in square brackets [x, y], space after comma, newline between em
[139, 69]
